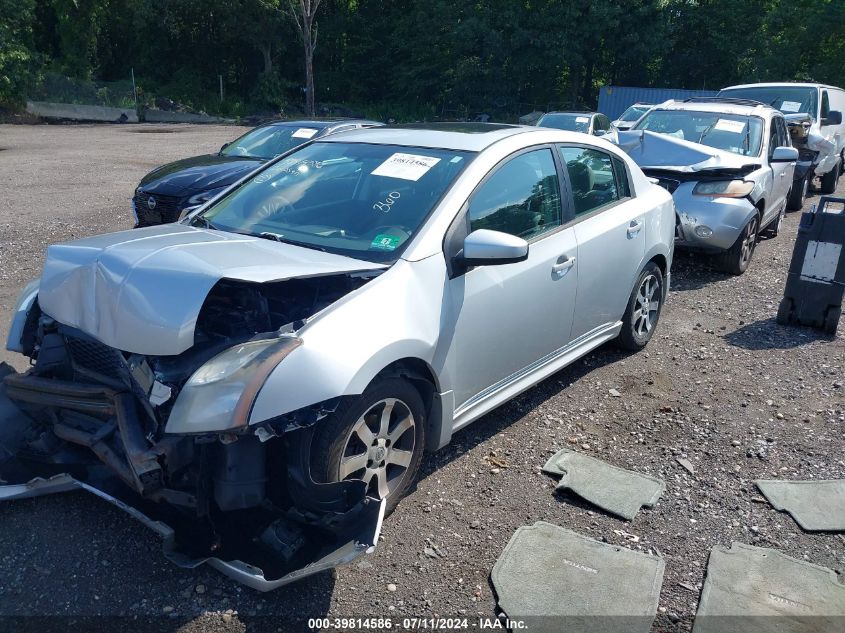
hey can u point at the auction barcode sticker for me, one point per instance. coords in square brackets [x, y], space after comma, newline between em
[790, 106]
[406, 166]
[304, 132]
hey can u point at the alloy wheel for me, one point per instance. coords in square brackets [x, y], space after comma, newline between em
[647, 307]
[380, 447]
[749, 242]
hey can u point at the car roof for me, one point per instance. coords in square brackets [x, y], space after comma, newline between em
[779, 84]
[321, 124]
[581, 112]
[471, 137]
[712, 105]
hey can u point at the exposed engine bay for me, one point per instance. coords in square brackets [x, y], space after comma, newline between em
[88, 415]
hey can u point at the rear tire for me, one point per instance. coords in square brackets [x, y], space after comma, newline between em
[830, 180]
[736, 259]
[643, 311]
[798, 194]
[358, 441]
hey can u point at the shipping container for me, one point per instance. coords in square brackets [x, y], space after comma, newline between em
[614, 100]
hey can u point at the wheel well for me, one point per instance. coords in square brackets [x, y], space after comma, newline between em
[422, 377]
[660, 260]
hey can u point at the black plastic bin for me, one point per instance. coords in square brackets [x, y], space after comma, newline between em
[816, 280]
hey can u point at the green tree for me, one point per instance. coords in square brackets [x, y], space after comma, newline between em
[16, 50]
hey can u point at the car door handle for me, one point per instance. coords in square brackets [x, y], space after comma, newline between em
[563, 266]
[634, 227]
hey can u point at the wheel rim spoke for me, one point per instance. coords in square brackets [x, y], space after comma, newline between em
[384, 425]
[400, 458]
[404, 425]
[381, 478]
[364, 433]
[349, 465]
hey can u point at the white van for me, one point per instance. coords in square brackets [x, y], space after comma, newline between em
[814, 114]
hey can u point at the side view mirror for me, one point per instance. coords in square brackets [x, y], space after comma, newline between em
[834, 117]
[784, 155]
[487, 248]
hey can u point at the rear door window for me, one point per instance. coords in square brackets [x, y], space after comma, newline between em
[591, 176]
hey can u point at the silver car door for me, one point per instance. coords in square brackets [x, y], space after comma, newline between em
[610, 229]
[507, 317]
[781, 175]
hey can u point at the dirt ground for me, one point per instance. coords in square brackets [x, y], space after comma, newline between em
[720, 384]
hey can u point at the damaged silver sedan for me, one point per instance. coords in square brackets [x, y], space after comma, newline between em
[259, 382]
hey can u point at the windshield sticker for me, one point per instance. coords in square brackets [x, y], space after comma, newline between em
[790, 106]
[384, 205]
[406, 166]
[304, 132]
[385, 242]
[727, 125]
[582, 119]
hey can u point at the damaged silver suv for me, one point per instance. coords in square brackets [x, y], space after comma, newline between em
[259, 382]
[728, 164]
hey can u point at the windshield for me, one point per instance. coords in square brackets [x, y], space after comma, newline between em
[355, 199]
[270, 141]
[787, 99]
[733, 133]
[564, 121]
[634, 112]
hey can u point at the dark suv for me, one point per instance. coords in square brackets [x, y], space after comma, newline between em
[165, 192]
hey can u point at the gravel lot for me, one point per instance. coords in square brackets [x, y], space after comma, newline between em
[721, 385]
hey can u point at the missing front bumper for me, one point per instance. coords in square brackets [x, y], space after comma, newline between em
[307, 539]
[363, 536]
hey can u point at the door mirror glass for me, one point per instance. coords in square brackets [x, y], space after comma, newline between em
[784, 155]
[484, 247]
[834, 117]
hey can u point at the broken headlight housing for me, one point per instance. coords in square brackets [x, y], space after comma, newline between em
[219, 395]
[724, 188]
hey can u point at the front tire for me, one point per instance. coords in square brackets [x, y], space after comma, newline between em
[643, 311]
[377, 437]
[735, 260]
[830, 180]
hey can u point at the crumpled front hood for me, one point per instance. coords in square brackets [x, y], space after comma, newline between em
[651, 150]
[141, 291]
[199, 173]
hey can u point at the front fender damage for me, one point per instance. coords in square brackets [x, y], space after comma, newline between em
[294, 530]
